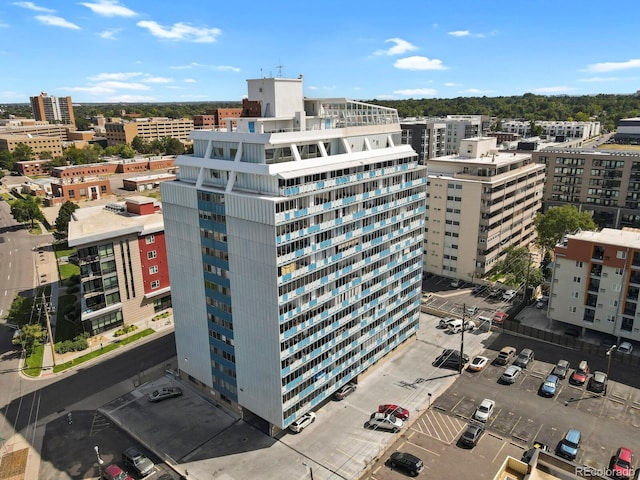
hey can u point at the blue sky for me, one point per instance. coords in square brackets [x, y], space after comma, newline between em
[199, 50]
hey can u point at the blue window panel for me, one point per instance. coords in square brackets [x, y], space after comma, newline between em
[252, 127]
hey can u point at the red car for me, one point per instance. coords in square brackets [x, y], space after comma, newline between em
[395, 410]
[499, 318]
[622, 464]
[114, 472]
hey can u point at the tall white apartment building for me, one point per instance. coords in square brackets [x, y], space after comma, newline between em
[596, 282]
[295, 250]
[550, 128]
[480, 202]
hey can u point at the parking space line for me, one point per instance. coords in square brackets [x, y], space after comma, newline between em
[425, 449]
[499, 451]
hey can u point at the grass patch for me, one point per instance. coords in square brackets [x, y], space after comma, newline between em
[68, 270]
[36, 230]
[33, 363]
[108, 348]
[65, 330]
[64, 252]
[615, 146]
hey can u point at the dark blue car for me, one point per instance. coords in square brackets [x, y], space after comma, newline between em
[549, 386]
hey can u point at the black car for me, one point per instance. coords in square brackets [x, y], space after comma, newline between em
[450, 359]
[477, 290]
[345, 391]
[472, 435]
[598, 383]
[407, 462]
[134, 460]
[528, 455]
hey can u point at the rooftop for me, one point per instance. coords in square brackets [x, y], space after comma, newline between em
[627, 237]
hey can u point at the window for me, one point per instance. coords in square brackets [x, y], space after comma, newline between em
[155, 284]
[622, 254]
[152, 254]
[576, 280]
[150, 239]
[579, 264]
[153, 269]
[72, 193]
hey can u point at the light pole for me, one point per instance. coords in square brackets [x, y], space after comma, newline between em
[609, 355]
[100, 461]
[429, 395]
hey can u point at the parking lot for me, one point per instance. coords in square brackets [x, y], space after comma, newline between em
[521, 416]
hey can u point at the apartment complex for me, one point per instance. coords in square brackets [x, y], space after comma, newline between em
[295, 247]
[605, 183]
[216, 118]
[596, 282]
[38, 145]
[148, 129]
[124, 276]
[480, 202]
[53, 109]
[560, 130]
[437, 137]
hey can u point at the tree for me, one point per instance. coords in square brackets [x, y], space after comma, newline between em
[23, 153]
[6, 160]
[517, 269]
[31, 335]
[172, 146]
[556, 222]
[139, 145]
[62, 220]
[26, 210]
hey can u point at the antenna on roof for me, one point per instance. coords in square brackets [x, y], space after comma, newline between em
[279, 67]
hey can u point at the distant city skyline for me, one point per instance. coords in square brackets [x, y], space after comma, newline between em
[134, 51]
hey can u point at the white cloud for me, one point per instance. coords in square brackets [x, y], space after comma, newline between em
[475, 91]
[611, 66]
[33, 6]
[401, 46]
[419, 63]
[157, 80]
[189, 80]
[557, 89]
[109, 8]
[4, 25]
[94, 90]
[599, 79]
[132, 99]
[312, 87]
[110, 34]
[188, 66]
[181, 31]
[451, 84]
[226, 68]
[385, 97]
[54, 21]
[114, 76]
[460, 33]
[175, 87]
[416, 91]
[124, 86]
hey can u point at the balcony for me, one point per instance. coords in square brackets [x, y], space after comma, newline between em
[596, 271]
[594, 285]
[598, 253]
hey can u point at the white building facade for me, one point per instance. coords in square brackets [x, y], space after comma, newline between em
[565, 129]
[295, 247]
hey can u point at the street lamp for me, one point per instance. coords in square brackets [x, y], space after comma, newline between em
[609, 355]
[100, 461]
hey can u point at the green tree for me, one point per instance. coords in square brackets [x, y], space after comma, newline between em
[139, 145]
[23, 153]
[26, 210]
[556, 222]
[126, 151]
[6, 160]
[156, 147]
[517, 269]
[172, 146]
[31, 336]
[62, 220]
[45, 155]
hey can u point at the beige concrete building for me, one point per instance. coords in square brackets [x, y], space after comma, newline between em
[38, 144]
[148, 129]
[605, 183]
[596, 282]
[479, 203]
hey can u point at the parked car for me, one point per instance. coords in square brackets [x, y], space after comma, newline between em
[395, 410]
[598, 383]
[626, 348]
[524, 358]
[484, 410]
[549, 386]
[472, 310]
[444, 322]
[499, 318]
[450, 359]
[561, 369]
[478, 363]
[164, 394]
[384, 421]
[495, 293]
[580, 374]
[572, 332]
[303, 422]
[114, 472]
[510, 374]
[505, 356]
[528, 455]
[569, 445]
[135, 461]
[455, 326]
[455, 283]
[542, 303]
[477, 290]
[345, 391]
[426, 296]
[509, 295]
[407, 462]
[472, 435]
[622, 464]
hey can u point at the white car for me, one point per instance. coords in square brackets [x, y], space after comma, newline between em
[164, 394]
[510, 374]
[484, 410]
[508, 295]
[478, 364]
[626, 348]
[385, 421]
[303, 422]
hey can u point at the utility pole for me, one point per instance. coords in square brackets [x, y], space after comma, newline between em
[49, 333]
[464, 313]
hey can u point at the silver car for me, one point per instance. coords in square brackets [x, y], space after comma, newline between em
[510, 374]
[385, 421]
